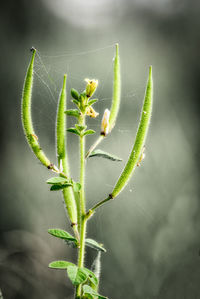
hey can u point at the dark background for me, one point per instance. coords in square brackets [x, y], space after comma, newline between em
[151, 231]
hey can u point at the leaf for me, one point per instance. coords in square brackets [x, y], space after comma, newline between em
[73, 112]
[87, 290]
[91, 102]
[61, 265]
[75, 94]
[76, 187]
[76, 102]
[92, 277]
[57, 180]
[102, 154]
[89, 132]
[76, 275]
[80, 128]
[89, 296]
[57, 187]
[73, 130]
[95, 245]
[62, 234]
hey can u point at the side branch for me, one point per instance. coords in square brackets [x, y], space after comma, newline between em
[99, 204]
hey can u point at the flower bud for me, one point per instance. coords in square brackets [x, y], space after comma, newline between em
[105, 122]
[90, 87]
[91, 112]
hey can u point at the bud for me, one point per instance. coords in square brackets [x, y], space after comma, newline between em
[91, 112]
[90, 87]
[105, 123]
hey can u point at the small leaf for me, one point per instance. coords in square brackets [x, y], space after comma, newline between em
[89, 132]
[76, 102]
[89, 296]
[73, 130]
[92, 277]
[102, 154]
[62, 234]
[76, 275]
[57, 187]
[76, 187]
[87, 290]
[57, 180]
[75, 94]
[95, 245]
[61, 265]
[91, 102]
[80, 128]
[73, 112]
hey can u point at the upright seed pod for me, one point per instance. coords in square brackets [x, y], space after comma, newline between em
[116, 91]
[139, 140]
[26, 116]
[115, 101]
[68, 193]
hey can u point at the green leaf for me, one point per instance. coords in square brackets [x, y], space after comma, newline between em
[80, 128]
[102, 154]
[61, 265]
[73, 130]
[76, 275]
[89, 132]
[62, 234]
[73, 112]
[75, 94]
[57, 187]
[92, 277]
[57, 180]
[91, 102]
[76, 187]
[76, 102]
[87, 290]
[95, 245]
[89, 296]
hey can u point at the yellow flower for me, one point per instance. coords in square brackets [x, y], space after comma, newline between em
[105, 122]
[91, 87]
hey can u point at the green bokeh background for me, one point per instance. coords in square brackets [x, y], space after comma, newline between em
[151, 231]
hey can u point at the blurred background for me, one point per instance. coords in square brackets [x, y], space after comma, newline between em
[151, 231]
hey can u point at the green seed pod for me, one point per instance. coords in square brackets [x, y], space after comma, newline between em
[62, 156]
[26, 115]
[61, 125]
[116, 91]
[139, 140]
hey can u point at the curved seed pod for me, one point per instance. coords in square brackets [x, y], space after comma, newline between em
[116, 91]
[139, 140]
[26, 115]
[68, 193]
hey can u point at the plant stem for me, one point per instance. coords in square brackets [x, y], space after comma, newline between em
[101, 137]
[100, 203]
[83, 220]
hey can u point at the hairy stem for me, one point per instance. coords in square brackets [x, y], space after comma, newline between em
[100, 203]
[83, 220]
[101, 137]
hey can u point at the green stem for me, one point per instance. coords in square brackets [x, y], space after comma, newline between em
[100, 203]
[101, 137]
[83, 220]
